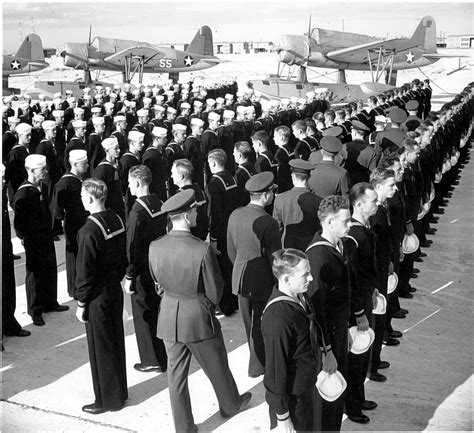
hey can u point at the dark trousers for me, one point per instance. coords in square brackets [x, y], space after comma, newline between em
[379, 324]
[406, 271]
[41, 279]
[70, 234]
[212, 357]
[10, 325]
[331, 412]
[229, 302]
[302, 411]
[145, 307]
[357, 368]
[106, 343]
[251, 311]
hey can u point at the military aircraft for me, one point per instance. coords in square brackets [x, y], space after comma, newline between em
[133, 57]
[28, 58]
[333, 49]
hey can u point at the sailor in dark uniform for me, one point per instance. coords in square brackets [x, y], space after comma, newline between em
[145, 223]
[182, 175]
[9, 137]
[187, 322]
[223, 196]
[252, 238]
[331, 296]
[244, 170]
[265, 159]
[67, 206]
[120, 123]
[108, 171]
[154, 159]
[174, 150]
[77, 141]
[283, 155]
[193, 150]
[33, 226]
[101, 265]
[15, 164]
[296, 210]
[94, 147]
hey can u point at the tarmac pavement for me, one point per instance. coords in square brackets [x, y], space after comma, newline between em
[46, 377]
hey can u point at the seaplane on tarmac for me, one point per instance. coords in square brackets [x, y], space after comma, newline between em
[333, 49]
[133, 57]
[28, 58]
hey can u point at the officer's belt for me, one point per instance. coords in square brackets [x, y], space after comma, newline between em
[182, 296]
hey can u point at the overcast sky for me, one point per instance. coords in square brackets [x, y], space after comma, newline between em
[239, 20]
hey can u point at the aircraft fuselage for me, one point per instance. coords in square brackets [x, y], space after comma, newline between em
[13, 65]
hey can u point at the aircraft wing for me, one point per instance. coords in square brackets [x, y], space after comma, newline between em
[358, 53]
[442, 56]
[151, 55]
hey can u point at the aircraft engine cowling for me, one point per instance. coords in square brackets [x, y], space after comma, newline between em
[75, 55]
[293, 50]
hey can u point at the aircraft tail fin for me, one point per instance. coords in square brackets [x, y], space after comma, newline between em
[202, 42]
[425, 34]
[31, 48]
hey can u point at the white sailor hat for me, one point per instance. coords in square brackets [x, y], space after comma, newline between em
[49, 124]
[157, 131]
[361, 340]
[274, 103]
[257, 93]
[185, 105]
[302, 101]
[179, 127]
[132, 104]
[330, 386]
[13, 119]
[24, 105]
[78, 110]
[41, 97]
[35, 161]
[77, 155]
[220, 100]
[266, 106]
[109, 105]
[136, 135]
[43, 104]
[71, 100]
[285, 101]
[310, 94]
[197, 121]
[410, 243]
[171, 110]
[142, 113]
[7, 99]
[294, 99]
[79, 123]
[95, 110]
[381, 119]
[23, 128]
[213, 116]
[210, 101]
[239, 93]
[109, 143]
[241, 109]
[38, 118]
[250, 109]
[381, 307]
[69, 92]
[98, 120]
[135, 92]
[392, 282]
[57, 95]
[146, 100]
[116, 86]
[229, 96]
[86, 89]
[98, 88]
[197, 103]
[119, 118]
[87, 97]
[228, 114]
[123, 93]
[157, 107]
[160, 97]
[58, 113]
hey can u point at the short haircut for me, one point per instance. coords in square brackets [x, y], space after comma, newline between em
[372, 99]
[310, 124]
[244, 148]
[184, 167]
[286, 260]
[330, 114]
[261, 136]
[331, 205]
[427, 123]
[218, 155]
[299, 125]
[358, 191]
[392, 151]
[411, 135]
[96, 188]
[141, 173]
[340, 112]
[387, 161]
[409, 144]
[318, 117]
[284, 131]
[421, 129]
[301, 176]
[380, 175]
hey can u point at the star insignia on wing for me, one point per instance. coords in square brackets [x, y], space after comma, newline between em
[188, 61]
[410, 57]
[15, 64]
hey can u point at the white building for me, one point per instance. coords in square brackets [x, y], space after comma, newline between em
[460, 41]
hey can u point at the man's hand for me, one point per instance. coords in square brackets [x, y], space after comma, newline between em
[362, 323]
[390, 268]
[409, 229]
[329, 363]
[129, 286]
[80, 314]
[374, 299]
[214, 247]
[285, 426]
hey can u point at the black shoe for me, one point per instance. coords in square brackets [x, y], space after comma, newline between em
[361, 419]
[426, 244]
[383, 364]
[38, 321]
[430, 231]
[58, 308]
[398, 315]
[56, 239]
[16, 257]
[416, 271]
[391, 342]
[418, 259]
[405, 296]
[377, 377]
[93, 409]
[149, 368]
[244, 402]
[433, 220]
[395, 334]
[369, 405]
[422, 254]
[439, 211]
[403, 310]
[414, 275]
[20, 333]
[413, 290]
